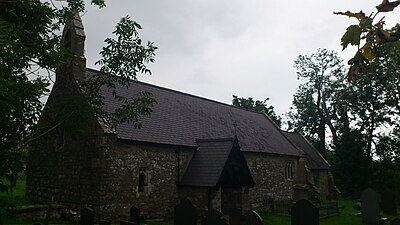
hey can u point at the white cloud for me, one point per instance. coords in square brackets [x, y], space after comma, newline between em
[218, 48]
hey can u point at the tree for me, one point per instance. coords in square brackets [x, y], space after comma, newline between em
[257, 106]
[29, 43]
[368, 103]
[350, 164]
[317, 101]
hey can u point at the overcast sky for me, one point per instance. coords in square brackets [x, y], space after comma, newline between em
[217, 48]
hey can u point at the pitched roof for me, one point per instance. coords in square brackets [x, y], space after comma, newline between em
[180, 119]
[212, 162]
[314, 159]
[207, 163]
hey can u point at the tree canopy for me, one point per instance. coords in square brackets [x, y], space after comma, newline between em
[257, 106]
[30, 52]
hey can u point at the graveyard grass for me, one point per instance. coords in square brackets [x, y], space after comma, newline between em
[346, 216]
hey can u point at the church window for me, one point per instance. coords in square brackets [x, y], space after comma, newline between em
[288, 170]
[143, 180]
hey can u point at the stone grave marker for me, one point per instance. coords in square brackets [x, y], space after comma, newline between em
[235, 216]
[135, 215]
[87, 216]
[252, 218]
[370, 206]
[124, 222]
[304, 213]
[104, 222]
[185, 213]
[395, 221]
[213, 217]
[388, 203]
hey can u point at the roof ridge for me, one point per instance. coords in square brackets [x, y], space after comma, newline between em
[184, 93]
[215, 139]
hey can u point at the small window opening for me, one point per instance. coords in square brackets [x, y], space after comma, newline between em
[67, 40]
[288, 170]
[143, 180]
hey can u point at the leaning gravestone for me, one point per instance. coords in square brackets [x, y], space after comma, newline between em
[388, 203]
[252, 218]
[395, 221]
[213, 217]
[124, 222]
[87, 216]
[185, 213]
[135, 215]
[235, 216]
[304, 213]
[104, 222]
[370, 207]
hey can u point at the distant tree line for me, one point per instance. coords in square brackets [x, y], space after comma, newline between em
[352, 121]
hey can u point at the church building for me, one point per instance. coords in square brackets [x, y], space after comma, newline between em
[218, 155]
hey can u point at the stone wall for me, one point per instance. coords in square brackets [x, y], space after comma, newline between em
[63, 167]
[268, 172]
[158, 165]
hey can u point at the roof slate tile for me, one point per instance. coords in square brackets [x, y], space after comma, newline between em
[180, 119]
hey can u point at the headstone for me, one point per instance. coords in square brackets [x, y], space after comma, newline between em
[87, 216]
[185, 213]
[104, 222]
[252, 218]
[304, 213]
[269, 203]
[124, 222]
[235, 216]
[395, 221]
[388, 203]
[135, 215]
[370, 207]
[213, 217]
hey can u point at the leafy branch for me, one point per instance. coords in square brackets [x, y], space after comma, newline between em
[367, 36]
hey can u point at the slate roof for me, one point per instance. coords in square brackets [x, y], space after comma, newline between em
[180, 119]
[314, 159]
[207, 164]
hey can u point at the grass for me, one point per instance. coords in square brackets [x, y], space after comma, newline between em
[345, 217]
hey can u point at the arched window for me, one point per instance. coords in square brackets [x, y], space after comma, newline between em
[67, 40]
[143, 180]
[288, 170]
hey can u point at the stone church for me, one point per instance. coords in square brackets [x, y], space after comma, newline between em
[218, 155]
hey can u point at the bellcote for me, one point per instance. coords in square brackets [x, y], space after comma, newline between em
[73, 38]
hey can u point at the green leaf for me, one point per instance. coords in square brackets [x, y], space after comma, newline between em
[367, 52]
[352, 36]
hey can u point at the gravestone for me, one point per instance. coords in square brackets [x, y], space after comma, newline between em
[235, 216]
[304, 213]
[135, 215]
[388, 203]
[87, 216]
[185, 213]
[124, 222]
[252, 218]
[370, 206]
[213, 217]
[395, 221]
[104, 222]
[269, 203]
